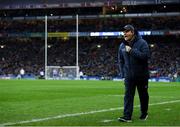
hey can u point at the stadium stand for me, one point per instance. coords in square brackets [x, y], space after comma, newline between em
[28, 53]
[89, 25]
[97, 55]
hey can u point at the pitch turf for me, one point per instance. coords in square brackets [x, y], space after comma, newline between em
[82, 103]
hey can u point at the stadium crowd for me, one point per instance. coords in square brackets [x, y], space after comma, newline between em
[89, 25]
[97, 56]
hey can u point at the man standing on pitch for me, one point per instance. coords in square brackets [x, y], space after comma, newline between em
[133, 58]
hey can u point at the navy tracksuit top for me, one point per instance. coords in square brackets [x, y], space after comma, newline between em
[135, 63]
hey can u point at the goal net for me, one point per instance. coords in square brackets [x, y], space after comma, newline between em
[62, 72]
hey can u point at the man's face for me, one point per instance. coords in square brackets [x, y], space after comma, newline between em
[128, 35]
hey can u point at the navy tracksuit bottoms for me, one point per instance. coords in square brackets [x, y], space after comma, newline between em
[130, 88]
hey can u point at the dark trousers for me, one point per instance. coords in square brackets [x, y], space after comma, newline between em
[130, 87]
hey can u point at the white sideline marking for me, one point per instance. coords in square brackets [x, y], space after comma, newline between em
[107, 121]
[162, 97]
[79, 114]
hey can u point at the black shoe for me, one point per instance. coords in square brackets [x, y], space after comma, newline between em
[143, 116]
[124, 119]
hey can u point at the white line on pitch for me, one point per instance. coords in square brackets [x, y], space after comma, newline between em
[107, 121]
[79, 114]
[162, 97]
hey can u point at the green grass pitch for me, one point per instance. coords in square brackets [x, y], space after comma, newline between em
[82, 103]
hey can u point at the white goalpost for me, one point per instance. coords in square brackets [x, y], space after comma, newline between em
[61, 72]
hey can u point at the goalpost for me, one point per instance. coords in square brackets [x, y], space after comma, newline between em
[61, 72]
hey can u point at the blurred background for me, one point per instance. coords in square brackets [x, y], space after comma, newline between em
[24, 46]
